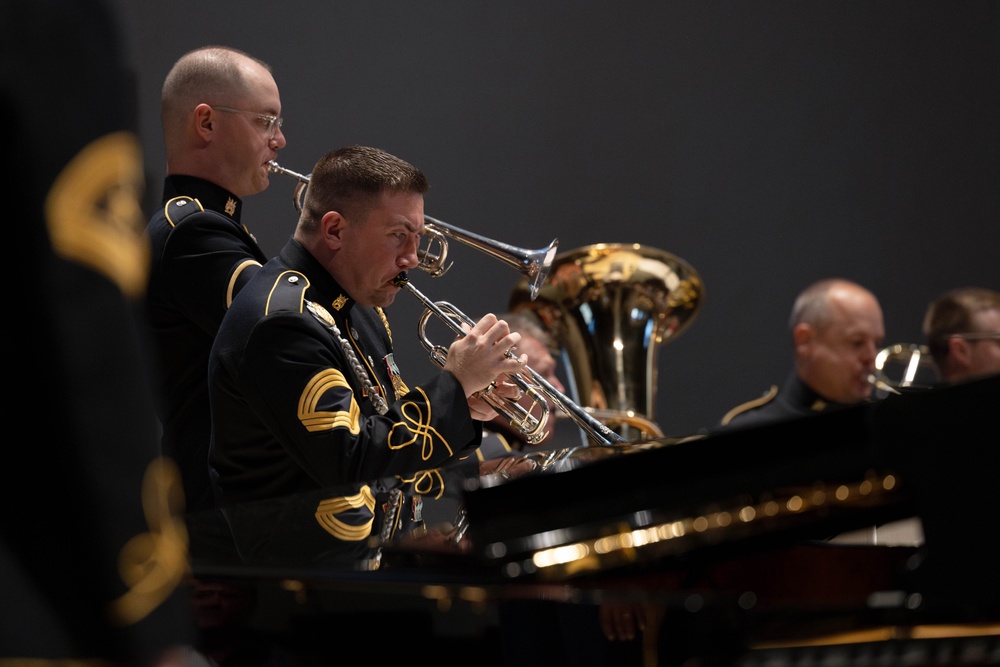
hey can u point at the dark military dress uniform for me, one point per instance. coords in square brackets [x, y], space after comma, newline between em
[794, 399]
[298, 409]
[202, 256]
[92, 551]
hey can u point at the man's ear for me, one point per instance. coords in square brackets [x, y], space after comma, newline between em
[960, 351]
[332, 226]
[204, 123]
[802, 333]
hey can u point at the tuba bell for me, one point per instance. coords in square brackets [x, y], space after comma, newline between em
[609, 307]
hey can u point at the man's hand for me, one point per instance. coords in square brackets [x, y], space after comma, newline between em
[622, 621]
[480, 356]
[481, 408]
[507, 467]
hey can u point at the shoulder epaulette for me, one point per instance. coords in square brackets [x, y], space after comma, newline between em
[750, 405]
[179, 208]
[288, 293]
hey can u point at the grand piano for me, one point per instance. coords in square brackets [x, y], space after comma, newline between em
[730, 534]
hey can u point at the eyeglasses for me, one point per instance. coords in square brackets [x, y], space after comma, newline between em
[978, 335]
[271, 123]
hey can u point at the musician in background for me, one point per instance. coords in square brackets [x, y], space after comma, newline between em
[837, 329]
[221, 115]
[500, 437]
[962, 332]
[92, 551]
[305, 391]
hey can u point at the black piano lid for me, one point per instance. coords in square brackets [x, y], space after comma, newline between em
[925, 453]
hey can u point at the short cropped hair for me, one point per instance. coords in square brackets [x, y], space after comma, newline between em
[351, 180]
[954, 312]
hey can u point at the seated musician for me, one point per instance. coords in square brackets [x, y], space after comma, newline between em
[962, 332]
[837, 331]
[836, 328]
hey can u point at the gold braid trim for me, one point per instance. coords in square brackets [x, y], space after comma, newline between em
[153, 564]
[750, 405]
[385, 321]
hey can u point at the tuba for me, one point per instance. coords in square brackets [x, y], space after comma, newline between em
[609, 307]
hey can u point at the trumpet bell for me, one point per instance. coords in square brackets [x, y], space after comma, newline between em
[903, 366]
[610, 307]
[534, 265]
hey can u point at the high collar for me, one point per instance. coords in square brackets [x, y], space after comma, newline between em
[805, 397]
[211, 196]
[325, 289]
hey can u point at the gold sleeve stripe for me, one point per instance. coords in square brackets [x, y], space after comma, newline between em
[315, 420]
[235, 277]
[327, 510]
[94, 214]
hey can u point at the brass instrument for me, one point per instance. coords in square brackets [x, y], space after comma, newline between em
[533, 264]
[901, 366]
[609, 307]
[537, 387]
[299, 195]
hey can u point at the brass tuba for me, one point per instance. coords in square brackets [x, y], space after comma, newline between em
[609, 307]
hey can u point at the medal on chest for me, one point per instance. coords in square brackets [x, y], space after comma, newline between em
[395, 377]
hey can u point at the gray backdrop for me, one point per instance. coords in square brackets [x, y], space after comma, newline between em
[768, 144]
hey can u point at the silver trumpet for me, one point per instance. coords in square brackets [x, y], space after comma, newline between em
[902, 366]
[533, 264]
[529, 421]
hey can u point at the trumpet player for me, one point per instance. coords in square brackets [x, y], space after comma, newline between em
[305, 391]
[836, 328]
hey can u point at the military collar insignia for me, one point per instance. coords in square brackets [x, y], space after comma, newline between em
[340, 302]
[231, 206]
[818, 406]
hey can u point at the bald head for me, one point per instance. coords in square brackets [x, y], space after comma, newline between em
[217, 106]
[837, 329]
[210, 73]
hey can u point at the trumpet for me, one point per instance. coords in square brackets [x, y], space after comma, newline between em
[433, 257]
[529, 421]
[903, 366]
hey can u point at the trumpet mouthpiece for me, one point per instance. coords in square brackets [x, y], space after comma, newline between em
[401, 279]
